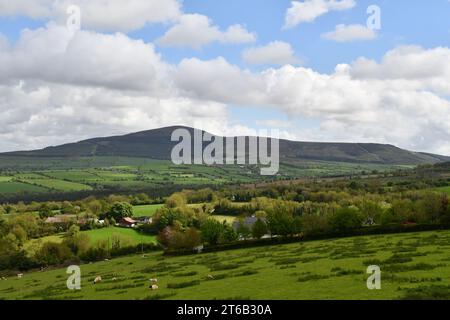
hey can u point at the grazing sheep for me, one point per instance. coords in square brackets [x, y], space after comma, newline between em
[20, 275]
[154, 280]
[97, 280]
[210, 277]
[153, 287]
[114, 279]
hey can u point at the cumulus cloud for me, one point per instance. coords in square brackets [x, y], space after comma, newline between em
[196, 30]
[275, 53]
[104, 15]
[349, 33]
[310, 10]
[84, 58]
[355, 103]
[60, 87]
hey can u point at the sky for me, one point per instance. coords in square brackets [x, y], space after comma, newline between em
[315, 70]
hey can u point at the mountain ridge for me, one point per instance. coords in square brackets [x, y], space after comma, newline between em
[156, 144]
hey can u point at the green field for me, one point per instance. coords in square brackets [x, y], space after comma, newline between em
[59, 185]
[46, 175]
[146, 210]
[10, 187]
[445, 189]
[412, 265]
[128, 237]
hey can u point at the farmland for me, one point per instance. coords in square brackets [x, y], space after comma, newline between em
[327, 269]
[127, 237]
[145, 210]
[54, 175]
[445, 189]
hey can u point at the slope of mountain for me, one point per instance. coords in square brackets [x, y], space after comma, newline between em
[157, 144]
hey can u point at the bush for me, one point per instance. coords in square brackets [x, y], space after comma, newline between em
[346, 219]
[53, 253]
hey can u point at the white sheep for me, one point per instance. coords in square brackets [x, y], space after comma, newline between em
[153, 287]
[97, 280]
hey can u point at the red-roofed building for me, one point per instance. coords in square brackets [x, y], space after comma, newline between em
[127, 222]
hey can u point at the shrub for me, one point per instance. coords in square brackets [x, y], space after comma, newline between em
[346, 219]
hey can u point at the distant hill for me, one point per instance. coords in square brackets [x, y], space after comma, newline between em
[156, 144]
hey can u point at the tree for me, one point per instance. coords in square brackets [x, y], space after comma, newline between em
[45, 211]
[120, 210]
[78, 242]
[212, 231]
[242, 230]
[53, 253]
[176, 200]
[280, 223]
[185, 240]
[259, 229]
[312, 224]
[345, 219]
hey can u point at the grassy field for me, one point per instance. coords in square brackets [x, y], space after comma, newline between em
[59, 185]
[46, 175]
[128, 237]
[445, 189]
[412, 265]
[19, 187]
[146, 210]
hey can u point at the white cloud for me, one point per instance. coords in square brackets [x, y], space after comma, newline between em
[309, 10]
[85, 58]
[196, 30]
[276, 53]
[349, 33]
[350, 104]
[56, 87]
[104, 15]
[29, 8]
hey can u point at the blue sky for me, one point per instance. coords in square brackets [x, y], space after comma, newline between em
[422, 24]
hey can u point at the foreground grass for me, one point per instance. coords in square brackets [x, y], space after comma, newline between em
[414, 265]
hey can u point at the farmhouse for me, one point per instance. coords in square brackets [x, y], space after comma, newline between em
[144, 220]
[60, 219]
[127, 222]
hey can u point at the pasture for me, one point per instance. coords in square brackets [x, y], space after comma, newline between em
[49, 175]
[146, 210]
[445, 189]
[127, 237]
[413, 265]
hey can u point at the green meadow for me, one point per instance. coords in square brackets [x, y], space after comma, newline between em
[413, 265]
[48, 175]
[127, 237]
[146, 210]
[445, 189]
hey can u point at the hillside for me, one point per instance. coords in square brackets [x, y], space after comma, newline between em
[156, 144]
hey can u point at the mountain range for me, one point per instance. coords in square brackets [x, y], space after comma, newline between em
[157, 144]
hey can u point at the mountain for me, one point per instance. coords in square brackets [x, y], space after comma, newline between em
[157, 144]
